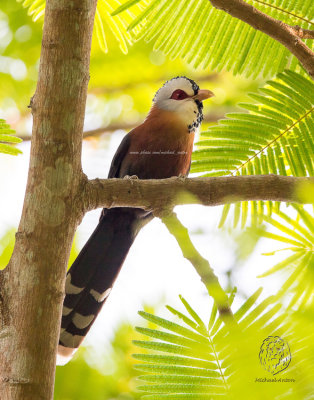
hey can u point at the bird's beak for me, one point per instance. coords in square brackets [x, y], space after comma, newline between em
[203, 94]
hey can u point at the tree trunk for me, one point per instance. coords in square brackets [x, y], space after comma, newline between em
[30, 287]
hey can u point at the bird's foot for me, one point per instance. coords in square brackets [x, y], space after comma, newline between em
[130, 177]
[162, 212]
[180, 176]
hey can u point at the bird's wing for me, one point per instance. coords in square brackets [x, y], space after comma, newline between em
[114, 171]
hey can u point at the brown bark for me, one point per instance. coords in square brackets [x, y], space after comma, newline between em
[278, 30]
[158, 194]
[31, 285]
[303, 33]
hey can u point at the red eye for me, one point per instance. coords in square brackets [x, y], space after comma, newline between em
[179, 95]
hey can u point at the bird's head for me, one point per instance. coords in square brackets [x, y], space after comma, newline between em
[183, 97]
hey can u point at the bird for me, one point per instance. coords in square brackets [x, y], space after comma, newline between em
[159, 148]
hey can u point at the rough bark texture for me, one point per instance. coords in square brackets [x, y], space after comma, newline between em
[303, 33]
[157, 194]
[278, 30]
[31, 295]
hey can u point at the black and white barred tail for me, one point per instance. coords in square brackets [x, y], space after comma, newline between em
[93, 273]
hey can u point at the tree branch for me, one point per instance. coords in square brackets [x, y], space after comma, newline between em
[303, 33]
[283, 33]
[200, 264]
[158, 194]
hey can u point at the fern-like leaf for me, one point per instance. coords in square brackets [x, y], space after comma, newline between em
[103, 20]
[210, 38]
[226, 363]
[7, 139]
[275, 136]
[299, 236]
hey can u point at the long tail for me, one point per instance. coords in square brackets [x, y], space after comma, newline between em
[92, 275]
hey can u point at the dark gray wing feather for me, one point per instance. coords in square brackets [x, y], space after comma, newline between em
[114, 171]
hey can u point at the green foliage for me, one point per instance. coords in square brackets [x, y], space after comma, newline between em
[120, 88]
[7, 139]
[6, 247]
[246, 241]
[105, 373]
[282, 119]
[117, 26]
[74, 251]
[19, 55]
[275, 136]
[210, 38]
[206, 37]
[188, 360]
[298, 235]
[7, 242]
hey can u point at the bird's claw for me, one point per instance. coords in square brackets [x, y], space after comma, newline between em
[130, 177]
[180, 176]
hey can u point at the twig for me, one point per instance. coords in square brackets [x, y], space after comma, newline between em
[278, 30]
[200, 264]
[284, 11]
[210, 117]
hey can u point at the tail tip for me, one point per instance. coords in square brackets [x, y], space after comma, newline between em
[64, 354]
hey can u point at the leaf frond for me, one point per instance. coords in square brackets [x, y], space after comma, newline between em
[209, 38]
[274, 136]
[234, 354]
[300, 260]
[7, 139]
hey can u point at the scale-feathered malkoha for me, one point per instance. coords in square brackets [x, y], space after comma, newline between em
[160, 147]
